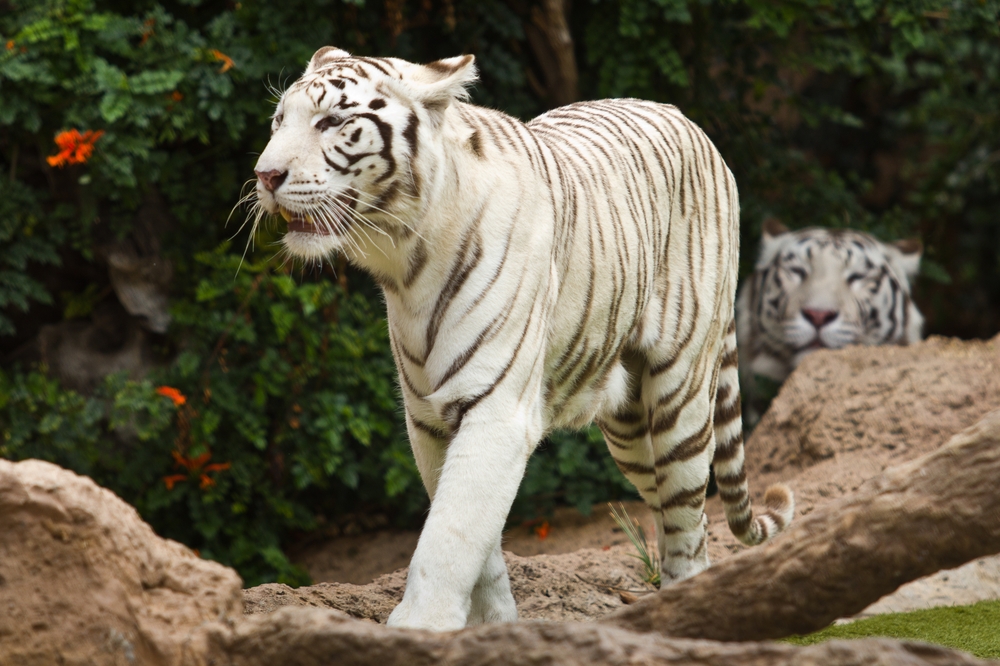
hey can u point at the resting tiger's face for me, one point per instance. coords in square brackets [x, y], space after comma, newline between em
[824, 288]
[341, 163]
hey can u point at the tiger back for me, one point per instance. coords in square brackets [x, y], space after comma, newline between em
[578, 268]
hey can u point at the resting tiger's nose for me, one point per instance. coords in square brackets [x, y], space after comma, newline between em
[819, 318]
[271, 180]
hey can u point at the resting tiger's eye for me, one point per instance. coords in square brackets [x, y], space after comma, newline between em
[854, 277]
[796, 270]
[329, 122]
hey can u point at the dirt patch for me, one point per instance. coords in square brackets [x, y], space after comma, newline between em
[581, 585]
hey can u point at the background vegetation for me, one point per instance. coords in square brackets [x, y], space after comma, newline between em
[879, 115]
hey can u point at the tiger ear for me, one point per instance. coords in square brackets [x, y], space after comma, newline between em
[910, 250]
[439, 83]
[773, 228]
[324, 57]
[770, 240]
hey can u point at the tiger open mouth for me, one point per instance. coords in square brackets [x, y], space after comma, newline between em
[304, 223]
[332, 221]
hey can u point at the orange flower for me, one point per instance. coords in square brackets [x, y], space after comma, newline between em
[74, 148]
[196, 467]
[170, 392]
[227, 62]
[169, 481]
[147, 31]
[10, 45]
[190, 464]
[542, 530]
[177, 95]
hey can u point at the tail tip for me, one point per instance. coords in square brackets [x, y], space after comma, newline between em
[779, 500]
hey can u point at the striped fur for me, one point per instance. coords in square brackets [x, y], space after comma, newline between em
[578, 268]
[823, 288]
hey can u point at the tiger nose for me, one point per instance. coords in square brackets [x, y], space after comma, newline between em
[819, 318]
[271, 180]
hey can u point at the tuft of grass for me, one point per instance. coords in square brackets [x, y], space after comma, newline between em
[633, 530]
[974, 629]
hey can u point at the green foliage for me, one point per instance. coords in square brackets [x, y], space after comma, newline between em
[881, 115]
[969, 628]
[570, 468]
[289, 385]
[24, 241]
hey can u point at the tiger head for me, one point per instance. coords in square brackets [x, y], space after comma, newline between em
[824, 288]
[345, 164]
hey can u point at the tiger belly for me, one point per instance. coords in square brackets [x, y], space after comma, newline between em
[605, 395]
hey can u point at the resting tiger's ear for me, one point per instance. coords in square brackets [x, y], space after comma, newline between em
[439, 83]
[910, 250]
[769, 240]
[325, 56]
[772, 228]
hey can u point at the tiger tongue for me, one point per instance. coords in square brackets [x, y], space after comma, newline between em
[301, 225]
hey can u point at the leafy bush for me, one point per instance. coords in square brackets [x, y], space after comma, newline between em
[287, 402]
[570, 468]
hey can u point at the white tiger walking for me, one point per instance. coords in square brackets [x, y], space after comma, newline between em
[581, 267]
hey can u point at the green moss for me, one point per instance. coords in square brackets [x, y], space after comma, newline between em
[974, 629]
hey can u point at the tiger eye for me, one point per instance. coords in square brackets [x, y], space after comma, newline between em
[329, 122]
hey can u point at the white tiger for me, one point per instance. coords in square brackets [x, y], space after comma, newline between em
[823, 289]
[576, 268]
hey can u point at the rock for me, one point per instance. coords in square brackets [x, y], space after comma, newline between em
[844, 416]
[83, 580]
[970, 583]
[80, 353]
[139, 274]
[316, 637]
[890, 403]
[933, 513]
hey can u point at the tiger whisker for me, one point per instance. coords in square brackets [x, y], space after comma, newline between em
[384, 212]
[333, 218]
[364, 223]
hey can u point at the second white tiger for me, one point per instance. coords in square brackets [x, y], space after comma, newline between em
[581, 267]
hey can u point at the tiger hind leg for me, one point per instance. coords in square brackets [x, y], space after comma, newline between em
[626, 433]
[678, 396]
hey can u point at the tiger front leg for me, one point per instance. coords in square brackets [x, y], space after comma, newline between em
[457, 575]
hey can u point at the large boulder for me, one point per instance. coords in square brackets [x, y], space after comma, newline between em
[935, 512]
[83, 580]
[316, 637]
[845, 415]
